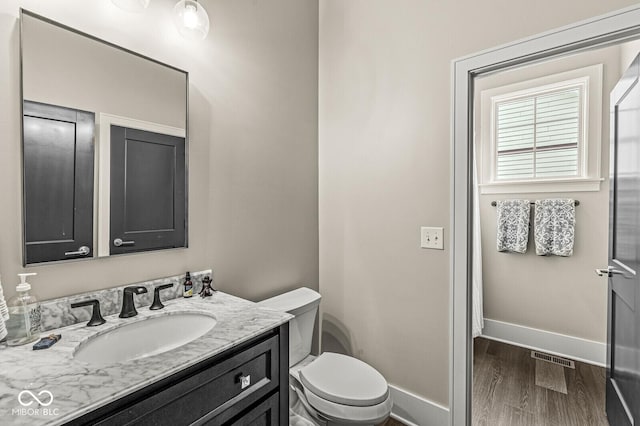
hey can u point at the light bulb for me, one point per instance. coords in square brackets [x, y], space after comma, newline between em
[191, 19]
[190, 16]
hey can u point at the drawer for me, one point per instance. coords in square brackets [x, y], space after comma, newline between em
[264, 413]
[252, 372]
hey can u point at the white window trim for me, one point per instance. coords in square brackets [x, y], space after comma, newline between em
[589, 79]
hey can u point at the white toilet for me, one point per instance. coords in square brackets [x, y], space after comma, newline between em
[335, 389]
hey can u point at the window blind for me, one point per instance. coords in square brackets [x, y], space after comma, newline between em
[538, 136]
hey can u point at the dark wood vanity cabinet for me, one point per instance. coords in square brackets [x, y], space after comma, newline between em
[245, 385]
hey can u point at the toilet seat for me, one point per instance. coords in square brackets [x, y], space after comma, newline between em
[347, 413]
[344, 380]
[345, 389]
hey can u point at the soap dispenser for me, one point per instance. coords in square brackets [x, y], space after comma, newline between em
[23, 325]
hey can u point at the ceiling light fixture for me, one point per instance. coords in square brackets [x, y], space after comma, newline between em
[191, 19]
[136, 6]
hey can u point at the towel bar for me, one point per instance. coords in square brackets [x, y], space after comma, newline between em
[493, 203]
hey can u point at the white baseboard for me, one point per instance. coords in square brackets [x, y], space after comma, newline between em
[571, 347]
[414, 410]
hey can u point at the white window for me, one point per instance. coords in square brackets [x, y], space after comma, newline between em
[541, 132]
[538, 136]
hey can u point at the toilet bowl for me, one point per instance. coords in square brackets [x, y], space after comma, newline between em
[335, 389]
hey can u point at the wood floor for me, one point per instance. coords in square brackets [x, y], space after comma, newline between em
[512, 389]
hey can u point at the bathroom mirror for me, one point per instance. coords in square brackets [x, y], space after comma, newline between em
[104, 147]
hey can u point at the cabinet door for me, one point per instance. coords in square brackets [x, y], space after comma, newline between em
[148, 191]
[58, 182]
[264, 414]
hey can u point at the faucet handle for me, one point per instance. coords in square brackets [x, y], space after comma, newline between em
[157, 304]
[96, 316]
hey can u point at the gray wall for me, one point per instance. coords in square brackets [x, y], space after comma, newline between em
[561, 295]
[628, 52]
[63, 68]
[253, 144]
[385, 90]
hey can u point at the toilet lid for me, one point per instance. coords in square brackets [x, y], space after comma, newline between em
[344, 380]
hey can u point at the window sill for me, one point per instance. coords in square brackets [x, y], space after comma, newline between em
[531, 186]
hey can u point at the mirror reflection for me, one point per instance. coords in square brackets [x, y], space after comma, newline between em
[104, 142]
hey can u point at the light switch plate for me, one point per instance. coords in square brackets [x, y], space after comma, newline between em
[431, 238]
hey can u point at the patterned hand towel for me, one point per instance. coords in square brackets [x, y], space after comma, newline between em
[513, 225]
[554, 226]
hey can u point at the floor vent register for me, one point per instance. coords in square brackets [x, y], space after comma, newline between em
[553, 359]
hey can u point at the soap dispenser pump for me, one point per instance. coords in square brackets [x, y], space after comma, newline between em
[23, 325]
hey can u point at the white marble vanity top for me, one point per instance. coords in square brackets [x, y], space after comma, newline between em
[76, 388]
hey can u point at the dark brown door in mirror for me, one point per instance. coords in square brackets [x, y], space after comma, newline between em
[148, 194]
[58, 182]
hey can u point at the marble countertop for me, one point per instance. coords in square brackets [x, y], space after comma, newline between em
[78, 388]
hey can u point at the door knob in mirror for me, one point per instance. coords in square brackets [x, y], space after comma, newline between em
[118, 242]
[82, 251]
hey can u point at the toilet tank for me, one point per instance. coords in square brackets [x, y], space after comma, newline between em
[303, 304]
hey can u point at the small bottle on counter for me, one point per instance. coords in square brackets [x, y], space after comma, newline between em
[23, 325]
[188, 286]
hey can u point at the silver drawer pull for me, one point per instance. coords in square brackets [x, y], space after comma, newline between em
[118, 242]
[245, 381]
[82, 251]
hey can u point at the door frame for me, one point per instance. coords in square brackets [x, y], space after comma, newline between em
[103, 174]
[595, 32]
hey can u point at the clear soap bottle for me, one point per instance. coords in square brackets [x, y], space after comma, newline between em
[23, 325]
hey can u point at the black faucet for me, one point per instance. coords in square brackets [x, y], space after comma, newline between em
[96, 316]
[128, 308]
[157, 304]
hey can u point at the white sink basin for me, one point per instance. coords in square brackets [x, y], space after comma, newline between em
[144, 338]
